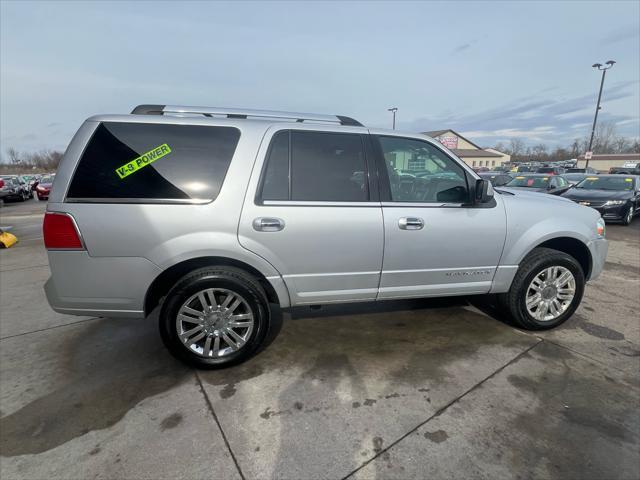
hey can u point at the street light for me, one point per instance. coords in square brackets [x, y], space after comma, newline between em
[393, 110]
[604, 69]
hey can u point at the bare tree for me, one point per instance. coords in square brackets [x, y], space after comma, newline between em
[517, 146]
[14, 156]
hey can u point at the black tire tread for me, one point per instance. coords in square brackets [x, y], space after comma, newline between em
[508, 302]
[240, 276]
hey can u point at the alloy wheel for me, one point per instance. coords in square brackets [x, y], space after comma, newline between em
[214, 322]
[550, 293]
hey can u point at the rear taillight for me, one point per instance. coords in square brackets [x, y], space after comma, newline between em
[1, 183]
[60, 231]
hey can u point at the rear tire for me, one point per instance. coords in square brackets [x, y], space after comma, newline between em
[535, 301]
[226, 331]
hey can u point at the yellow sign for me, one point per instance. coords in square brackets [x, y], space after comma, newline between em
[592, 179]
[143, 160]
[628, 179]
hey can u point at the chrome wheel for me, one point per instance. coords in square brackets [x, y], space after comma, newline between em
[629, 215]
[214, 322]
[550, 293]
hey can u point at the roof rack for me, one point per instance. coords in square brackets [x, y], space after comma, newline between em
[244, 113]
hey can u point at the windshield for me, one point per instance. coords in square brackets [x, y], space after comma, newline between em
[617, 183]
[530, 182]
[574, 177]
[46, 179]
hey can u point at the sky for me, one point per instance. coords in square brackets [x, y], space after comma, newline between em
[492, 71]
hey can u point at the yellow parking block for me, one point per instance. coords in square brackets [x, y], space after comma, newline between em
[7, 240]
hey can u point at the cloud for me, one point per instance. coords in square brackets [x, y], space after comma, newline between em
[460, 48]
[535, 118]
[465, 46]
[621, 34]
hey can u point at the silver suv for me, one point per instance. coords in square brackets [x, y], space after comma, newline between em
[215, 216]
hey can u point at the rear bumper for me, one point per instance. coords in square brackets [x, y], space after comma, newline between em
[98, 286]
[598, 249]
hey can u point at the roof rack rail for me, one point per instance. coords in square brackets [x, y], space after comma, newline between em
[244, 113]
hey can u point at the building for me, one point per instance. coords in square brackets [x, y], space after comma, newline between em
[469, 152]
[603, 162]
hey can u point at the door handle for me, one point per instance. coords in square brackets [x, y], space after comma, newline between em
[410, 223]
[267, 224]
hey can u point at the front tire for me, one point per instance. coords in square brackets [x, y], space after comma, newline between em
[628, 218]
[214, 317]
[546, 290]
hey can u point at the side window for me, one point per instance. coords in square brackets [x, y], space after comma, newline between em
[441, 181]
[275, 183]
[146, 161]
[315, 166]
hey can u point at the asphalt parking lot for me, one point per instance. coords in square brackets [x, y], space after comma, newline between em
[436, 389]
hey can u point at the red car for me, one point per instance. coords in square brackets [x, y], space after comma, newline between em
[44, 187]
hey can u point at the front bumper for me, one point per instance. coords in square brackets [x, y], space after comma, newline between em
[609, 213]
[598, 249]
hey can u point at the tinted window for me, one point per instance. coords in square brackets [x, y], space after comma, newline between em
[276, 177]
[618, 183]
[154, 161]
[315, 166]
[441, 179]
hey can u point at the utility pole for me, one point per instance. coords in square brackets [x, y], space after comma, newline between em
[393, 110]
[604, 69]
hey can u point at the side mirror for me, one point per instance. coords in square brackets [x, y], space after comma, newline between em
[484, 191]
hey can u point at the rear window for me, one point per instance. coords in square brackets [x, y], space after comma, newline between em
[141, 161]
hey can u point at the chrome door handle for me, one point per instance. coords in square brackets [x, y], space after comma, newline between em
[267, 224]
[410, 223]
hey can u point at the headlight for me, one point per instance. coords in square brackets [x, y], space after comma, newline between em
[600, 229]
[610, 203]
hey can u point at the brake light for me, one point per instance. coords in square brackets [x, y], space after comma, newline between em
[59, 231]
[1, 183]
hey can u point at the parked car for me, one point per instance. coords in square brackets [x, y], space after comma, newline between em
[497, 179]
[574, 178]
[523, 169]
[615, 197]
[588, 170]
[629, 168]
[31, 180]
[17, 189]
[551, 170]
[215, 222]
[539, 182]
[44, 187]
[4, 191]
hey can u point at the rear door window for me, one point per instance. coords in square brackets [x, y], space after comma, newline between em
[157, 162]
[315, 166]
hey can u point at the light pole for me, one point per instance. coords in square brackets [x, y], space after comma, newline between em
[393, 110]
[604, 69]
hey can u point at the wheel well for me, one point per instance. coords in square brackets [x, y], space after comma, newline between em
[573, 247]
[163, 282]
